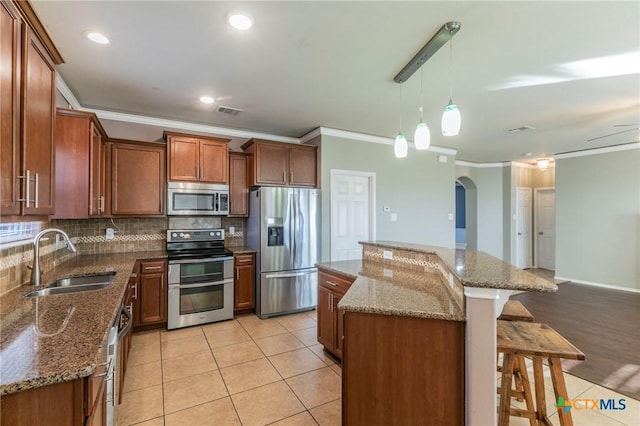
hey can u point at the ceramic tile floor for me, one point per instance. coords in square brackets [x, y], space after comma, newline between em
[241, 372]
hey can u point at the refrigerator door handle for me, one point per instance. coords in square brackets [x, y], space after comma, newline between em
[289, 274]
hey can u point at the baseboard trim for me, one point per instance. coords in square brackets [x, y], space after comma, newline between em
[612, 287]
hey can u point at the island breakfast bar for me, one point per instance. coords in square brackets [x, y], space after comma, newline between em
[411, 306]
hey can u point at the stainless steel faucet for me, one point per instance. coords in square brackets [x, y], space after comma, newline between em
[36, 273]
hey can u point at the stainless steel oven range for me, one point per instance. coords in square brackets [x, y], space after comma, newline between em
[200, 277]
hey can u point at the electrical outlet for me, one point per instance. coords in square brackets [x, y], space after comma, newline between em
[232, 230]
[109, 234]
[394, 217]
[450, 216]
[387, 254]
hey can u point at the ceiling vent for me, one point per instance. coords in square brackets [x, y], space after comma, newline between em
[229, 110]
[520, 129]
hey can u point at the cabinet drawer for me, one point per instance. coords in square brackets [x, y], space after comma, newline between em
[152, 267]
[334, 282]
[243, 259]
[95, 382]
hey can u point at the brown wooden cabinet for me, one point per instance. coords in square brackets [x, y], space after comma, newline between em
[238, 185]
[331, 288]
[150, 306]
[138, 183]
[412, 367]
[244, 282]
[281, 164]
[79, 177]
[193, 158]
[27, 108]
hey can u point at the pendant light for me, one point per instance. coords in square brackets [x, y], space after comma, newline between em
[451, 119]
[422, 136]
[400, 146]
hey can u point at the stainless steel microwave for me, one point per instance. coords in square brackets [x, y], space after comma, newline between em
[197, 199]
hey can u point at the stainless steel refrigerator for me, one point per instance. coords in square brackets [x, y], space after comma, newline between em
[284, 230]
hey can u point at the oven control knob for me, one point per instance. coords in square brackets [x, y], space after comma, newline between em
[181, 234]
[212, 233]
[174, 235]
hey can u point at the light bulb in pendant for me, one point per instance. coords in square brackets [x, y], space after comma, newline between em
[400, 146]
[422, 136]
[451, 120]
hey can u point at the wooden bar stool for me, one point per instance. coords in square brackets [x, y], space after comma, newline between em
[518, 339]
[515, 311]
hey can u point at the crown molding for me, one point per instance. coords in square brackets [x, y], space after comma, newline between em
[328, 131]
[480, 165]
[66, 92]
[191, 127]
[596, 151]
[311, 135]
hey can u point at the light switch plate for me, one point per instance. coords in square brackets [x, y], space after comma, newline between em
[387, 254]
[232, 230]
[450, 216]
[109, 234]
[394, 217]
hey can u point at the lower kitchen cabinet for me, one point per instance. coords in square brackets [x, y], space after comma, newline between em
[244, 288]
[331, 288]
[150, 305]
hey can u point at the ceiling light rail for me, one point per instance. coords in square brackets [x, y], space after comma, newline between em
[444, 34]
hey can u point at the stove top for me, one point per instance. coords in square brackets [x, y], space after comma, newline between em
[196, 244]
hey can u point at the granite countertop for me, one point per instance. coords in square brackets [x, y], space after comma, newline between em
[392, 290]
[241, 250]
[478, 269]
[36, 350]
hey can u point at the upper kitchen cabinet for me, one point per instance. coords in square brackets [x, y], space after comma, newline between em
[80, 181]
[238, 185]
[27, 83]
[193, 158]
[138, 182]
[281, 164]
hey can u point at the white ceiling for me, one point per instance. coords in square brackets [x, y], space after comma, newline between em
[309, 64]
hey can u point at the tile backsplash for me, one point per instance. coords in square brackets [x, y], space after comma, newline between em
[131, 235]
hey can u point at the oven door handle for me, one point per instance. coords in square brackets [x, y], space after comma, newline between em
[205, 260]
[199, 285]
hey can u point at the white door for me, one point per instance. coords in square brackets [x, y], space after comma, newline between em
[352, 221]
[546, 228]
[523, 227]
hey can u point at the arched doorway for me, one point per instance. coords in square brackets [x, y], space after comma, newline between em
[466, 214]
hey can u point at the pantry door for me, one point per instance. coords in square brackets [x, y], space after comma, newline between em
[352, 212]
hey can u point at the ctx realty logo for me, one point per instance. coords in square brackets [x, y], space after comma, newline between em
[590, 404]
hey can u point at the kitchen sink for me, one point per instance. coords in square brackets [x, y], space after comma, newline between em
[74, 284]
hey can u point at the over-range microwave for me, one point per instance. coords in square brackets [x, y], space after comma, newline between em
[197, 199]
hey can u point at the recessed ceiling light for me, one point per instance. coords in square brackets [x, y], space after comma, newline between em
[526, 154]
[207, 99]
[240, 20]
[97, 37]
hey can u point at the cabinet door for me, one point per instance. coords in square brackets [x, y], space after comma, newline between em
[184, 159]
[137, 180]
[244, 285]
[326, 319]
[96, 177]
[302, 167]
[214, 162]
[38, 115]
[10, 28]
[271, 164]
[72, 167]
[339, 319]
[153, 297]
[238, 188]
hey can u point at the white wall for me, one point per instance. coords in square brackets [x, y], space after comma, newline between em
[598, 218]
[488, 181]
[418, 188]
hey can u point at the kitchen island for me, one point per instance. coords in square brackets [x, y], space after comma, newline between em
[419, 333]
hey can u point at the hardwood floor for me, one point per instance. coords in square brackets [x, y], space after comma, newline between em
[603, 323]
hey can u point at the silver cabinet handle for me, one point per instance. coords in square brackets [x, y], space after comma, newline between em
[135, 290]
[27, 189]
[330, 294]
[331, 283]
[36, 190]
[101, 206]
[149, 268]
[284, 176]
